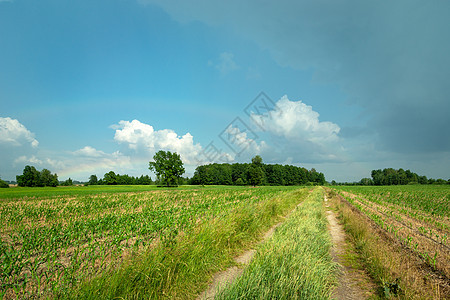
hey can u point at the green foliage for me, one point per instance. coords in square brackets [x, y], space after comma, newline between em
[256, 173]
[110, 178]
[391, 176]
[32, 178]
[257, 160]
[93, 180]
[168, 167]
[3, 184]
[67, 182]
[226, 174]
[239, 181]
[46, 178]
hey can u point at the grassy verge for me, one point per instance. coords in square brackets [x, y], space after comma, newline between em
[180, 265]
[395, 270]
[295, 263]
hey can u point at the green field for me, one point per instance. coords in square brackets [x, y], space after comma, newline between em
[147, 242]
[63, 238]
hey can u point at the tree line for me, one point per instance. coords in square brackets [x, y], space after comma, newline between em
[112, 178]
[255, 173]
[390, 176]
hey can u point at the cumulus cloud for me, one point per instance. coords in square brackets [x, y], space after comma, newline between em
[240, 141]
[14, 133]
[296, 129]
[226, 63]
[27, 160]
[142, 137]
[88, 151]
[296, 120]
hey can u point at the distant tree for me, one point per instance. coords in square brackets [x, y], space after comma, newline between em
[93, 180]
[257, 160]
[46, 178]
[110, 178]
[167, 166]
[366, 181]
[3, 184]
[30, 177]
[255, 172]
[67, 182]
[144, 180]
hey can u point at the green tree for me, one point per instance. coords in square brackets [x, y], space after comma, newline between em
[110, 178]
[3, 184]
[167, 166]
[30, 177]
[46, 178]
[256, 172]
[68, 182]
[93, 180]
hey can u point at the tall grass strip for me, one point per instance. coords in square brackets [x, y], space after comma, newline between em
[295, 263]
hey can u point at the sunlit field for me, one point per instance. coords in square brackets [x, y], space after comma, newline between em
[54, 239]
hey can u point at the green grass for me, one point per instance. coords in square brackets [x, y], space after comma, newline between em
[50, 245]
[295, 263]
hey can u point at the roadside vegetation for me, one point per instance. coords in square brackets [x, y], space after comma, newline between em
[295, 263]
[401, 235]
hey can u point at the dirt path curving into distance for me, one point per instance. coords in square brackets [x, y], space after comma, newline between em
[348, 280]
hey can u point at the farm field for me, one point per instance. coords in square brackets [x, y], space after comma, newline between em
[417, 218]
[142, 241]
[82, 241]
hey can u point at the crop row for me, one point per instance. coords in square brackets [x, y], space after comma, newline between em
[49, 244]
[404, 222]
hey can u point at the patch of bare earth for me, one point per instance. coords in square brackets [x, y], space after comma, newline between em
[350, 280]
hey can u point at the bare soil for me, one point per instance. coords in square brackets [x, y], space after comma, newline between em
[350, 279]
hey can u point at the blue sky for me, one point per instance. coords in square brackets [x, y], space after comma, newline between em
[92, 86]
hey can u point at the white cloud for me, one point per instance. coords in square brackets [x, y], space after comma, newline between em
[12, 132]
[296, 120]
[88, 151]
[240, 141]
[226, 63]
[28, 160]
[298, 133]
[140, 136]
